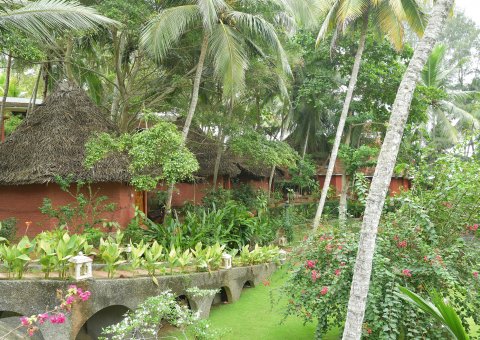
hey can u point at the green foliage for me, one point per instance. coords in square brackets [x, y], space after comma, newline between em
[110, 252]
[16, 257]
[11, 124]
[356, 158]
[155, 154]
[304, 175]
[86, 211]
[258, 150]
[423, 242]
[8, 229]
[438, 309]
[152, 315]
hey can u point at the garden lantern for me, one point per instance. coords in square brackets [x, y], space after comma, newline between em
[81, 267]
[282, 241]
[282, 256]
[226, 261]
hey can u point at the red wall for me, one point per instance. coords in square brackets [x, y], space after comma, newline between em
[23, 202]
[397, 184]
[256, 183]
[193, 192]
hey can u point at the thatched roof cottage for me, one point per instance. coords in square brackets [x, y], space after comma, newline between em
[49, 143]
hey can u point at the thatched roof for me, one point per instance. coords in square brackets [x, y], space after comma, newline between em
[205, 150]
[51, 141]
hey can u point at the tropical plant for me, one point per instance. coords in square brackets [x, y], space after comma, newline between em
[153, 256]
[39, 18]
[226, 33]
[16, 257]
[387, 18]
[136, 255]
[111, 253]
[208, 258]
[438, 309]
[447, 119]
[384, 170]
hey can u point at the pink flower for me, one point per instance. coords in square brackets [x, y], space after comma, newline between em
[337, 272]
[70, 299]
[31, 331]
[310, 264]
[324, 290]
[475, 275]
[314, 275]
[85, 295]
[402, 244]
[25, 321]
[473, 227]
[58, 318]
[42, 318]
[407, 272]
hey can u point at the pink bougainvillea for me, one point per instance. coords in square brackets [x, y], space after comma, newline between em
[407, 272]
[56, 315]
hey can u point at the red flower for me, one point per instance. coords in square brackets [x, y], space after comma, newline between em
[475, 275]
[369, 330]
[337, 272]
[266, 283]
[407, 272]
[315, 275]
[310, 264]
[402, 244]
[324, 290]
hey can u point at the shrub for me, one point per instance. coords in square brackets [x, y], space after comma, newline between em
[8, 229]
[426, 242]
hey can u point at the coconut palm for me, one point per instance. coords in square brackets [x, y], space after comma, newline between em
[384, 170]
[226, 33]
[446, 118]
[40, 18]
[388, 17]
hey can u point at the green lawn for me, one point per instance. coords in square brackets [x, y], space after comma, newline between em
[252, 317]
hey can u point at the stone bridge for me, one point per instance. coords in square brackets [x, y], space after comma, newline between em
[111, 298]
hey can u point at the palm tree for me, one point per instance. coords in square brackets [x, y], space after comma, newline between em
[445, 116]
[226, 32]
[384, 170]
[386, 16]
[38, 19]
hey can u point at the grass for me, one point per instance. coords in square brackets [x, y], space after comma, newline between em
[254, 317]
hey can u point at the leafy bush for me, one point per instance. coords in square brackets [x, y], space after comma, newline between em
[304, 176]
[425, 242]
[85, 212]
[217, 198]
[8, 229]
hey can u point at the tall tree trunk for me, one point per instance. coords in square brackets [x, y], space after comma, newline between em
[342, 206]
[341, 123]
[220, 146]
[31, 105]
[191, 112]
[305, 145]
[4, 99]
[47, 67]
[384, 170]
[68, 60]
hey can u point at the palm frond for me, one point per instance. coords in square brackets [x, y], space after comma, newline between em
[306, 12]
[209, 10]
[41, 17]
[389, 24]
[167, 27]
[465, 118]
[350, 10]
[256, 27]
[229, 59]
[329, 23]
[439, 310]
[431, 74]
[415, 16]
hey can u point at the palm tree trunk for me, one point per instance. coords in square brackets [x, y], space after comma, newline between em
[46, 79]
[384, 169]
[221, 142]
[341, 123]
[191, 112]
[4, 99]
[305, 145]
[68, 60]
[342, 207]
[33, 102]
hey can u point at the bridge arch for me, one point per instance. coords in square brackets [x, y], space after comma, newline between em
[92, 328]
